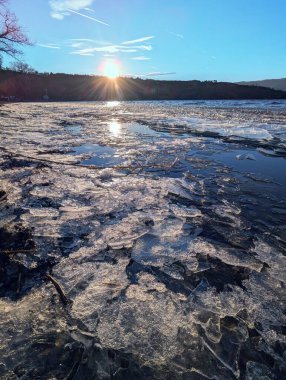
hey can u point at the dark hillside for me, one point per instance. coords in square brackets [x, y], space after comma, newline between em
[34, 86]
[276, 84]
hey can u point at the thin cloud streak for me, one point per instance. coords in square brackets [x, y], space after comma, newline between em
[156, 73]
[141, 58]
[86, 46]
[143, 47]
[87, 42]
[81, 39]
[178, 35]
[153, 74]
[48, 46]
[142, 39]
[77, 45]
[88, 17]
[81, 54]
[112, 49]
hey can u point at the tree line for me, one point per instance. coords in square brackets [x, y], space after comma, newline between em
[31, 86]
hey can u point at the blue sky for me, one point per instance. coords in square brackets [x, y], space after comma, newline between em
[228, 40]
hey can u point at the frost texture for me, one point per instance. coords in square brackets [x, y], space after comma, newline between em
[143, 240]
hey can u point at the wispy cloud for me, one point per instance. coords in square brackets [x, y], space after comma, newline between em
[158, 73]
[49, 46]
[143, 47]
[86, 46]
[113, 49]
[77, 45]
[178, 35]
[88, 42]
[59, 8]
[138, 40]
[82, 39]
[62, 8]
[89, 9]
[141, 58]
[91, 47]
[82, 54]
[152, 74]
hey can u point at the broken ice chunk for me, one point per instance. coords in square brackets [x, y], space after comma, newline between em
[245, 157]
[145, 323]
[185, 212]
[166, 243]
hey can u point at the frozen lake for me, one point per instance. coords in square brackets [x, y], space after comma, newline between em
[162, 229]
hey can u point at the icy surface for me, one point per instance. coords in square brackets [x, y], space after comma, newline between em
[143, 240]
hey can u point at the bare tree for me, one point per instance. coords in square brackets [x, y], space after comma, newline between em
[22, 67]
[12, 36]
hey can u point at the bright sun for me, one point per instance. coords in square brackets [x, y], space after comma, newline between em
[111, 69]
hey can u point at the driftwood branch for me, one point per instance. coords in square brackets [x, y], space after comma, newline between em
[65, 300]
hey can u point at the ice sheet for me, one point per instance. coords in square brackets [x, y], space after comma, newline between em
[165, 261]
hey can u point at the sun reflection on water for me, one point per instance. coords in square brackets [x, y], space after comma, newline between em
[115, 128]
[114, 103]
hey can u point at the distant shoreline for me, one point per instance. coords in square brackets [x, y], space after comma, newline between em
[129, 100]
[21, 86]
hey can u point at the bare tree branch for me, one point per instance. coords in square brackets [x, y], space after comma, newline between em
[12, 37]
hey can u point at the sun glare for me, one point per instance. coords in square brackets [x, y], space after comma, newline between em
[111, 70]
[113, 103]
[115, 128]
